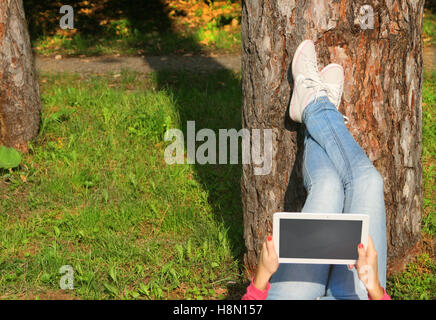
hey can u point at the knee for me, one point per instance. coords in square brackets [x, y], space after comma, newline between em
[368, 195]
[372, 179]
[325, 194]
[327, 183]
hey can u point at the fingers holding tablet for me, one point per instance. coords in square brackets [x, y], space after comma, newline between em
[267, 266]
[367, 269]
[269, 258]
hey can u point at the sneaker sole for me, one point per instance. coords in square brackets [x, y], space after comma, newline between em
[294, 60]
[291, 108]
[297, 54]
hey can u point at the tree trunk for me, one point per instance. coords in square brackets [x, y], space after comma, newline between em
[382, 98]
[20, 102]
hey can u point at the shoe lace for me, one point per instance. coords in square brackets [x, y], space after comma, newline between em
[334, 93]
[314, 80]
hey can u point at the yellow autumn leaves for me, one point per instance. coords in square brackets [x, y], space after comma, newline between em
[205, 16]
[196, 13]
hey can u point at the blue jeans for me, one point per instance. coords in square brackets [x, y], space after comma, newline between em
[338, 177]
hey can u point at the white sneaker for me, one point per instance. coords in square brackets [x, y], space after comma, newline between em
[308, 84]
[333, 77]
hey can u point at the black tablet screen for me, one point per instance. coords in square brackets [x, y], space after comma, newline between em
[319, 239]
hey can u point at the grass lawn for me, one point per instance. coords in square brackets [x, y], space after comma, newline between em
[95, 193]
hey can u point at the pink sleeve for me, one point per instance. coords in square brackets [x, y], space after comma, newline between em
[255, 294]
[385, 296]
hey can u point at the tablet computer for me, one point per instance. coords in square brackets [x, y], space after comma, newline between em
[319, 238]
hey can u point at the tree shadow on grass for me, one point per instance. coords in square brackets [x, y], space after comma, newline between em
[213, 100]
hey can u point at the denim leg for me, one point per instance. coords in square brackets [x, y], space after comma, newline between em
[344, 284]
[325, 193]
[368, 198]
[326, 126]
[363, 188]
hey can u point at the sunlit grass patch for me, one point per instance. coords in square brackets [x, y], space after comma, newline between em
[417, 282]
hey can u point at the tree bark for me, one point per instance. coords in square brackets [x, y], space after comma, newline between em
[382, 98]
[20, 102]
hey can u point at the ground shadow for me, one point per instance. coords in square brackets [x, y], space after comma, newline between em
[148, 16]
[213, 100]
[430, 5]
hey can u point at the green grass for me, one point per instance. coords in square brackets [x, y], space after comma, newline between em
[418, 282]
[137, 43]
[134, 43]
[95, 193]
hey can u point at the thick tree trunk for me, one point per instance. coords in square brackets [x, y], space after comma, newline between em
[20, 102]
[382, 98]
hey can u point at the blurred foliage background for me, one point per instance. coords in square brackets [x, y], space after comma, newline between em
[136, 27]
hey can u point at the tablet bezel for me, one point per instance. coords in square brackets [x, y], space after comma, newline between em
[318, 216]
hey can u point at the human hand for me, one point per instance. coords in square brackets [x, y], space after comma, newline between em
[267, 265]
[367, 270]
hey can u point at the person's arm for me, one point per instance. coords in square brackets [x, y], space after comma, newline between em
[268, 265]
[367, 270]
[253, 293]
[380, 295]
